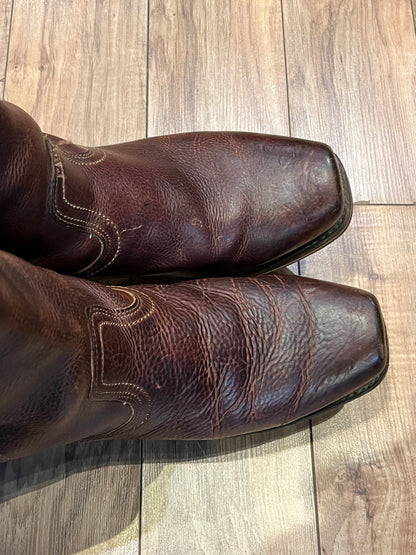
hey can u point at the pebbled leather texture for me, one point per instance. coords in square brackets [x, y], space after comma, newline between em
[199, 359]
[209, 203]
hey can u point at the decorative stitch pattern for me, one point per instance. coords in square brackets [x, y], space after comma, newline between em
[88, 220]
[81, 158]
[128, 393]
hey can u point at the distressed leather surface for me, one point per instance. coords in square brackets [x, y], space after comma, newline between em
[195, 203]
[198, 359]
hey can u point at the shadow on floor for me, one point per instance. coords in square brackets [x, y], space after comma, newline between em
[34, 472]
[91, 491]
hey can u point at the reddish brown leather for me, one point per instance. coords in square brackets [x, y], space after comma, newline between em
[195, 203]
[200, 359]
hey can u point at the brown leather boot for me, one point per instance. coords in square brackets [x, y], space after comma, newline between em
[186, 205]
[198, 359]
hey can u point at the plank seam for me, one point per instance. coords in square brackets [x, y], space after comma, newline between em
[315, 493]
[286, 71]
[382, 204]
[4, 80]
[413, 15]
[147, 68]
[140, 519]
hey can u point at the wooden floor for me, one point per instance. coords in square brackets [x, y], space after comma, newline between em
[340, 71]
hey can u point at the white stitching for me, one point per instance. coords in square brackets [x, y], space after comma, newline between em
[134, 307]
[91, 211]
[80, 157]
[98, 231]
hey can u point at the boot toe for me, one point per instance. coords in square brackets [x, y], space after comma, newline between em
[308, 198]
[348, 350]
[357, 351]
[331, 348]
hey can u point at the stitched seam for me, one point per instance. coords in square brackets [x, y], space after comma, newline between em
[94, 212]
[81, 156]
[127, 325]
[96, 381]
[83, 162]
[84, 224]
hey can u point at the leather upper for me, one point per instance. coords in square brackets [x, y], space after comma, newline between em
[199, 359]
[195, 203]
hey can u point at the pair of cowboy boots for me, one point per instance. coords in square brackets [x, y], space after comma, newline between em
[205, 358]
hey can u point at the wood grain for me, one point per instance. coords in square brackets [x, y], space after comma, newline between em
[5, 16]
[365, 458]
[247, 495]
[81, 69]
[352, 80]
[216, 65]
[82, 497]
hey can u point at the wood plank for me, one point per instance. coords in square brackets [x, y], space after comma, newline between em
[75, 498]
[5, 16]
[216, 65]
[364, 457]
[220, 65]
[246, 495]
[352, 79]
[81, 69]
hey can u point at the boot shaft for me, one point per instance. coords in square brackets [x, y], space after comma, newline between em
[25, 172]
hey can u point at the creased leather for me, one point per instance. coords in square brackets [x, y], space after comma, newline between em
[199, 359]
[194, 203]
